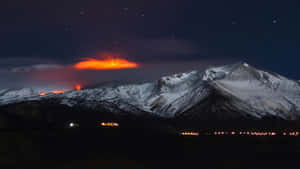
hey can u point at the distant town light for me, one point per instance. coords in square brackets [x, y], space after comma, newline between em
[255, 133]
[189, 133]
[109, 124]
[258, 132]
[72, 124]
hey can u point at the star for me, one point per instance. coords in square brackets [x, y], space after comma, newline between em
[67, 28]
[82, 12]
[141, 14]
[124, 11]
[233, 22]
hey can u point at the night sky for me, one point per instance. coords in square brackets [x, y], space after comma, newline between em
[165, 36]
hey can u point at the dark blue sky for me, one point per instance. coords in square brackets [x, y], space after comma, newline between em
[263, 33]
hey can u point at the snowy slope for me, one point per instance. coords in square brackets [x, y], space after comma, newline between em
[259, 92]
[8, 96]
[161, 97]
[249, 90]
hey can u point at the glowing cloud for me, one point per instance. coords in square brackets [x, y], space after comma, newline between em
[105, 64]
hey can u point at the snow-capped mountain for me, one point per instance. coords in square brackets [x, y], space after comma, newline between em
[237, 90]
[248, 92]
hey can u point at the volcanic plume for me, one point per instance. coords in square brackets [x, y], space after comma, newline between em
[105, 64]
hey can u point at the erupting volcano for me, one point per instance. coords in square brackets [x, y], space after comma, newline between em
[105, 64]
[229, 92]
[78, 87]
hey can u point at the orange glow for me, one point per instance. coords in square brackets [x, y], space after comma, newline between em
[54, 92]
[105, 64]
[58, 91]
[109, 124]
[43, 94]
[189, 133]
[78, 87]
[259, 133]
[255, 133]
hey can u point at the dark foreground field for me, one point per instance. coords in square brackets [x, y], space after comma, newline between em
[131, 148]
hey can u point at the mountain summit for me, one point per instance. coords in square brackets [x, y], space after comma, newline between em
[226, 92]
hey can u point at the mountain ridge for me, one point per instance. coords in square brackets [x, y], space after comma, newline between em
[224, 92]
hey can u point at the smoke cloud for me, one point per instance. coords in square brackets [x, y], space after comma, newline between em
[66, 76]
